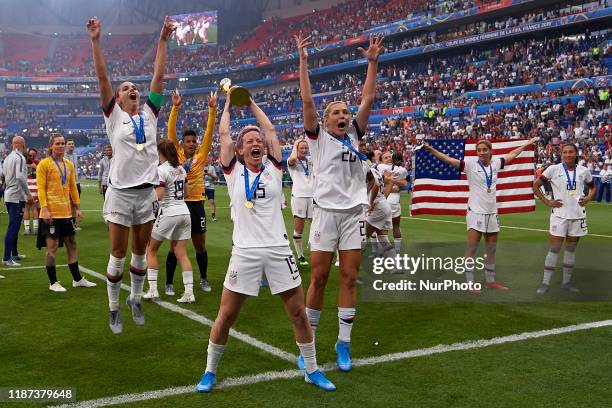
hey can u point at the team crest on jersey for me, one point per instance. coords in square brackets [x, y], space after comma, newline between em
[233, 277]
[317, 237]
[267, 176]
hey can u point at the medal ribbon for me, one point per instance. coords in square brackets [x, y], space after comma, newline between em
[304, 167]
[139, 131]
[64, 174]
[571, 184]
[488, 177]
[250, 191]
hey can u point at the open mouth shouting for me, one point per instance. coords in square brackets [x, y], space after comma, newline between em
[256, 153]
[342, 125]
[133, 95]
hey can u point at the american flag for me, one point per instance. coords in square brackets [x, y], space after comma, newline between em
[439, 189]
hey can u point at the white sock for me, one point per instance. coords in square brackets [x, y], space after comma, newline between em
[469, 275]
[309, 353]
[568, 265]
[549, 266]
[138, 270]
[387, 248]
[35, 225]
[490, 273]
[346, 315]
[313, 317]
[297, 242]
[397, 242]
[26, 223]
[114, 273]
[188, 281]
[152, 278]
[215, 351]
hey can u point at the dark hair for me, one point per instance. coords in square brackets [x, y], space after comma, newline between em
[167, 149]
[70, 140]
[397, 157]
[370, 155]
[573, 146]
[189, 132]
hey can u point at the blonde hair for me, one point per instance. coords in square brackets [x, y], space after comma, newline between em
[327, 110]
[488, 144]
[52, 140]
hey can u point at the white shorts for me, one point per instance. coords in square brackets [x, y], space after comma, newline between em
[396, 210]
[380, 217]
[248, 265]
[172, 227]
[129, 206]
[561, 227]
[485, 223]
[301, 207]
[337, 229]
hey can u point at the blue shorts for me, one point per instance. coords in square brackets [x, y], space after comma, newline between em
[210, 193]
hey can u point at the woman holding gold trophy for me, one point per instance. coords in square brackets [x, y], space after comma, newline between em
[260, 244]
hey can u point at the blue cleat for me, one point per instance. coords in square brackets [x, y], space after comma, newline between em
[207, 382]
[318, 378]
[301, 362]
[343, 350]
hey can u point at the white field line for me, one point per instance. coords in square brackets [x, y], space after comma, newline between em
[501, 226]
[17, 268]
[268, 348]
[359, 362]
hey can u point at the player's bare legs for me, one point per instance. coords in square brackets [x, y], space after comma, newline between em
[180, 250]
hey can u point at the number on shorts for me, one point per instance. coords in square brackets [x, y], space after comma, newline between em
[179, 189]
[362, 228]
[261, 191]
[583, 225]
[203, 223]
[155, 207]
[293, 269]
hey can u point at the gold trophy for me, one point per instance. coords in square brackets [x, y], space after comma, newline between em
[239, 95]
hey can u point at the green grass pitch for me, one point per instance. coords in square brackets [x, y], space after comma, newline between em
[63, 340]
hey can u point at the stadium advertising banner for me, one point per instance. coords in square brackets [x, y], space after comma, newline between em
[195, 29]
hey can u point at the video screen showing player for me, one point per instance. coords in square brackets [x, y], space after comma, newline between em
[195, 29]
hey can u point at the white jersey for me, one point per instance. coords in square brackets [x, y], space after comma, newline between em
[480, 200]
[570, 210]
[398, 173]
[132, 167]
[263, 224]
[208, 177]
[381, 183]
[302, 177]
[340, 176]
[173, 179]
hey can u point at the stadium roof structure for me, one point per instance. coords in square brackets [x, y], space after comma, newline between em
[47, 16]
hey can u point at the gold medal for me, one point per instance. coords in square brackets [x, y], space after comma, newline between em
[248, 204]
[140, 146]
[571, 192]
[488, 190]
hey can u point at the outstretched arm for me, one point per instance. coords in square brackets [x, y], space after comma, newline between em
[104, 83]
[177, 99]
[308, 106]
[369, 87]
[443, 157]
[227, 145]
[157, 82]
[271, 141]
[513, 154]
[293, 157]
[210, 127]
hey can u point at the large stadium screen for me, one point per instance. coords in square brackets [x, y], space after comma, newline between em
[195, 29]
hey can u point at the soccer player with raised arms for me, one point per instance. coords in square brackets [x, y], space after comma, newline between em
[194, 160]
[481, 218]
[340, 194]
[568, 216]
[260, 245]
[130, 201]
